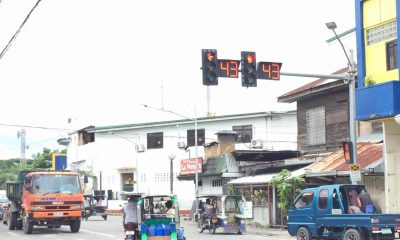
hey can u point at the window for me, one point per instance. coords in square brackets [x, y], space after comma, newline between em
[391, 55]
[217, 182]
[381, 33]
[335, 200]
[323, 199]
[244, 133]
[304, 200]
[200, 137]
[155, 140]
[315, 126]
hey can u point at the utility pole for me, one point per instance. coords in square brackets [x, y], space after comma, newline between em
[22, 136]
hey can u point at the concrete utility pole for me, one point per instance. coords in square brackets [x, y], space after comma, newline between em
[22, 136]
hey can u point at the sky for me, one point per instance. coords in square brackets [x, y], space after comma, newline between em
[96, 62]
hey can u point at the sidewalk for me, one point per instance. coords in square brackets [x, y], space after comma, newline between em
[271, 232]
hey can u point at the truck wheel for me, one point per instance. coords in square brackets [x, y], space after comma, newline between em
[12, 221]
[105, 217]
[303, 234]
[75, 225]
[28, 226]
[352, 234]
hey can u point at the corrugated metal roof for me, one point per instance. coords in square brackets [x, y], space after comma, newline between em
[314, 84]
[188, 121]
[368, 153]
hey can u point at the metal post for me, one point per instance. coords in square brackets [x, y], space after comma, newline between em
[352, 108]
[171, 172]
[196, 155]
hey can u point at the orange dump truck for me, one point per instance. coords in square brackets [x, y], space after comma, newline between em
[45, 198]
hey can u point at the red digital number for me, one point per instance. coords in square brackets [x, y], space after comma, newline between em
[228, 68]
[271, 70]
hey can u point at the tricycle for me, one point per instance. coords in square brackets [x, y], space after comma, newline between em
[221, 211]
[95, 204]
[158, 217]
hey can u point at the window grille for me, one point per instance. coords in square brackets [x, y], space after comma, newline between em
[244, 133]
[315, 126]
[381, 33]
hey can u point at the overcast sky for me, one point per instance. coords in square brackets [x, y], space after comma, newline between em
[97, 61]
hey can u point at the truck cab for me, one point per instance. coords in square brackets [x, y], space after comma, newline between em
[329, 211]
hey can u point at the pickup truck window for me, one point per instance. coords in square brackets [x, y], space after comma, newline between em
[304, 200]
[323, 199]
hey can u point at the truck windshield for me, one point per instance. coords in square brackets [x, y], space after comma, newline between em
[44, 184]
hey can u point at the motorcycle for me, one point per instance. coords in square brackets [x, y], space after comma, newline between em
[210, 224]
[131, 231]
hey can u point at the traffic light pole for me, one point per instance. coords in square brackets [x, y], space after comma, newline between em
[350, 79]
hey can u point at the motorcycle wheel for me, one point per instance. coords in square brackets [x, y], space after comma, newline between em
[200, 229]
[212, 228]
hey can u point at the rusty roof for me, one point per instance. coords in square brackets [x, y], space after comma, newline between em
[313, 84]
[368, 153]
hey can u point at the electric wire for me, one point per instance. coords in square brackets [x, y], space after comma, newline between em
[19, 30]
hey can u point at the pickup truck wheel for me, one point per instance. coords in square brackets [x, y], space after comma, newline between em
[303, 234]
[352, 234]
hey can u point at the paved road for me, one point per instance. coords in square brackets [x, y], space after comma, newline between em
[98, 229]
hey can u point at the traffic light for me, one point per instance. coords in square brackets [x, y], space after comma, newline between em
[249, 69]
[348, 152]
[209, 66]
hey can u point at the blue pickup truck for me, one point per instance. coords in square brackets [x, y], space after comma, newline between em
[324, 212]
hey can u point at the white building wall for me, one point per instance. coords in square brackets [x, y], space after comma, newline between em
[114, 152]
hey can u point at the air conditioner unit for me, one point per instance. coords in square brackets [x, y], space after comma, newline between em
[140, 148]
[256, 143]
[181, 145]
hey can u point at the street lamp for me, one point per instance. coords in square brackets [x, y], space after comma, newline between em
[171, 172]
[195, 145]
[352, 100]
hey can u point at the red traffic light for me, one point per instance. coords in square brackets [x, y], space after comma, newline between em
[250, 58]
[210, 56]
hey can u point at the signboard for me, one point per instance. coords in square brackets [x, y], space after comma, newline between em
[355, 175]
[355, 167]
[59, 161]
[188, 166]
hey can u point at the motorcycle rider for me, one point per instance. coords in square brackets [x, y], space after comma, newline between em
[130, 212]
[209, 211]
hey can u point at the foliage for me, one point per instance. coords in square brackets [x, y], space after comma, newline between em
[9, 168]
[369, 81]
[259, 197]
[287, 187]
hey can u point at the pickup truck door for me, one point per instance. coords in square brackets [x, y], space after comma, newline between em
[304, 211]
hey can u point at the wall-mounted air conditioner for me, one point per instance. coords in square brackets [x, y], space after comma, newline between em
[256, 143]
[140, 148]
[181, 145]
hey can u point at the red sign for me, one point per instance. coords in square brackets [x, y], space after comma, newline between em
[188, 166]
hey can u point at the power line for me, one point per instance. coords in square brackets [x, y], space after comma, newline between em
[19, 29]
[29, 126]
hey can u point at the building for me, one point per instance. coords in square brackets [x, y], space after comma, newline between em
[139, 156]
[378, 91]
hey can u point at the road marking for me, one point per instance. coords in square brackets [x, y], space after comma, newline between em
[11, 233]
[102, 234]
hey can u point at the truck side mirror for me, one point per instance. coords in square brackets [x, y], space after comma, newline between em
[28, 187]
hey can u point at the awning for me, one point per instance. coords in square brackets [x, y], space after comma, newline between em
[264, 178]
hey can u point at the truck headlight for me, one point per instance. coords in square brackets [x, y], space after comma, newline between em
[76, 207]
[37, 208]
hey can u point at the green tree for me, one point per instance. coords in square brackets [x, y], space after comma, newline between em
[287, 187]
[43, 160]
